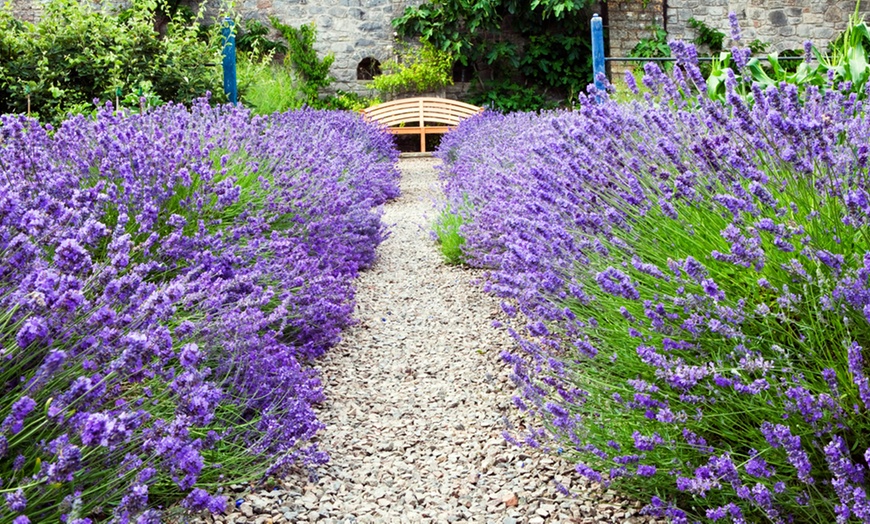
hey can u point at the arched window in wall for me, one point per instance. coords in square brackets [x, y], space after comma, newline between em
[368, 68]
[462, 73]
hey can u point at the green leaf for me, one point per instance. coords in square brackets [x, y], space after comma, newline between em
[857, 64]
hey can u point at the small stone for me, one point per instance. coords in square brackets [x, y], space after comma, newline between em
[510, 500]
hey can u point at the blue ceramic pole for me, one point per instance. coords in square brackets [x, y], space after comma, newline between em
[229, 53]
[597, 49]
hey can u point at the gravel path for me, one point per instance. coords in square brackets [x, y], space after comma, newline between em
[417, 400]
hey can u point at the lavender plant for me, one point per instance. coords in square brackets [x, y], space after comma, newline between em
[165, 280]
[691, 282]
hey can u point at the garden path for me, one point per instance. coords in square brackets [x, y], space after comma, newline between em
[417, 400]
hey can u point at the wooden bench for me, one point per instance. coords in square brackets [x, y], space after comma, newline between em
[421, 116]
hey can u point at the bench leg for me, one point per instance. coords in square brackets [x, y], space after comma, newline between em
[423, 142]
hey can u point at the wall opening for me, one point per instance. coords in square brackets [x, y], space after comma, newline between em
[368, 68]
[462, 73]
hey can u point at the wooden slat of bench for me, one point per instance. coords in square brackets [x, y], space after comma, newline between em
[409, 113]
[429, 130]
[431, 115]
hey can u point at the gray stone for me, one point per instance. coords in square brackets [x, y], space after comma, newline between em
[777, 18]
[371, 27]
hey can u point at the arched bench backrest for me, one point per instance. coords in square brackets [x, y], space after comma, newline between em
[421, 115]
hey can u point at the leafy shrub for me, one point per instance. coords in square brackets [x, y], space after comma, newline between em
[164, 280]
[448, 235]
[267, 87]
[419, 69]
[312, 72]
[560, 61]
[253, 40]
[707, 36]
[347, 101]
[656, 46]
[77, 54]
[693, 283]
[554, 61]
[508, 96]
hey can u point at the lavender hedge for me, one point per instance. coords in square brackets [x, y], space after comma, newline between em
[692, 279]
[165, 279]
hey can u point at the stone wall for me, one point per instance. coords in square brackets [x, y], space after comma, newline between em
[628, 21]
[350, 29]
[785, 24]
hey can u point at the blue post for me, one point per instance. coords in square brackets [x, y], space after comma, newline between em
[597, 49]
[229, 54]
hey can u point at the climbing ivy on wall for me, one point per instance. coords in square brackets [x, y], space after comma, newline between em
[551, 59]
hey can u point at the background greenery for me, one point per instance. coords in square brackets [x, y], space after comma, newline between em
[76, 55]
[547, 63]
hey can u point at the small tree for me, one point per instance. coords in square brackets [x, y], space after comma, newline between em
[313, 72]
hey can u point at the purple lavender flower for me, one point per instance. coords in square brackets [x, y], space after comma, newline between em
[644, 443]
[16, 501]
[72, 257]
[22, 407]
[735, 26]
[33, 329]
[856, 367]
[780, 436]
[645, 470]
[757, 466]
[617, 283]
[588, 472]
[694, 269]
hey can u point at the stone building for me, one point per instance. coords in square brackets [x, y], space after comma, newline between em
[784, 24]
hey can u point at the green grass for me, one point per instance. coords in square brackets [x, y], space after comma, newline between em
[446, 228]
[267, 87]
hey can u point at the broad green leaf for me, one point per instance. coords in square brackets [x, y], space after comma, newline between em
[857, 64]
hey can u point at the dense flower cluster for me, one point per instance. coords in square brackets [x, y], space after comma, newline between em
[692, 277]
[164, 280]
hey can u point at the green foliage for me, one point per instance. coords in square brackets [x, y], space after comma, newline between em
[709, 37]
[254, 40]
[554, 60]
[346, 101]
[656, 46]
[845, 62]
[267, 87]
[757, 46]
[449, 238]
[420, 69]
[77, 54]
[551, 60]
[507, 97]
[311, 71]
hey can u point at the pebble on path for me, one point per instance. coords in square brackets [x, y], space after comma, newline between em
[416, 403]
